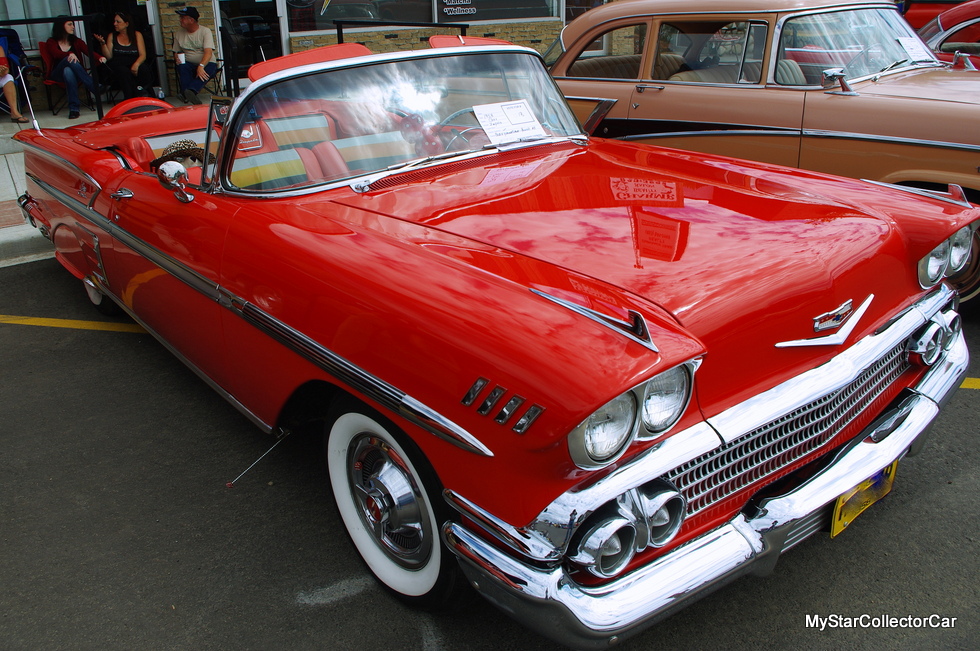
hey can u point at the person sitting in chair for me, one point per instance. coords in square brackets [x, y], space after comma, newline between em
[9, 89]
[65, 50]
[193, 48]
[126, 51]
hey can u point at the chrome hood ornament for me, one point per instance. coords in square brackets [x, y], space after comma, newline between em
[843, 318]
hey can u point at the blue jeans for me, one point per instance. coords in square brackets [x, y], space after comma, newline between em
[72, 74]
[187, 73]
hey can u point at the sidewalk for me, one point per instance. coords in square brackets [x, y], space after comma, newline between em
[20, 242]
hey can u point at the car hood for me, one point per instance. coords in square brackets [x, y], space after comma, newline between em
[741, 255]
[936, 84]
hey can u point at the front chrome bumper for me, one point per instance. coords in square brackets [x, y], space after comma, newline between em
[546, 600]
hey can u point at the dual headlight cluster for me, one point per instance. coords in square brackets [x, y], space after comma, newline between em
[947, 259]
[645, 411]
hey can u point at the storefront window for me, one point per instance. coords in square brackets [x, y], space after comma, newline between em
[310, 15]
[31, 35]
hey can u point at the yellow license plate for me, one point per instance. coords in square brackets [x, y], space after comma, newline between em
[853, 502]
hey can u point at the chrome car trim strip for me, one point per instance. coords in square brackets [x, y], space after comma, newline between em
[82, 174]
[636, 330]
[356, 377]
[714, 132]
[838, 337]
[245, 411]
[547, 599]
[866, 137]
[955, 196]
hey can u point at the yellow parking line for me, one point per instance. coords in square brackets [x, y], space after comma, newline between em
[71, 323]
[971, 383]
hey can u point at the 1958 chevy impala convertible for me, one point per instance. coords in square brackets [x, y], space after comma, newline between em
[596, 379]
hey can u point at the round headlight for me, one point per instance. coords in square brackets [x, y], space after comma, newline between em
[959, 249]
[664, 399]
[605, 433]
[933, 266]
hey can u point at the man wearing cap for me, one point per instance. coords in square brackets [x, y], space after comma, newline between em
[193, 49]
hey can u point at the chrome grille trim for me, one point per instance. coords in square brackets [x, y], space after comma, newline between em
[768, 449]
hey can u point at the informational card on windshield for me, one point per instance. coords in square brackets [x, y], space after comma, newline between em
[508, 122]
[915, 49]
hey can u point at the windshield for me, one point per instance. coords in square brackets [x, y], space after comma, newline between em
[348, 122]
[862, 41]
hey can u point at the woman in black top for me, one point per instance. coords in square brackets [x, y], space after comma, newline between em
[126, 52]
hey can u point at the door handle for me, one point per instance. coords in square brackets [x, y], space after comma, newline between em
[642, 87]
[122, 193]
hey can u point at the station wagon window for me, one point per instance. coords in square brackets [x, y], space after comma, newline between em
[710, 51]
[862, 41]
[615, 54]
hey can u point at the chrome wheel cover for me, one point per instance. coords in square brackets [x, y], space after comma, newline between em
[389, 501]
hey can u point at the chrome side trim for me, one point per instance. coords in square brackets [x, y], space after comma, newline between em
[867, 137]
[795, 133]
[245, 411]
[82, 174]
[356, 377]
[636, 330]
[549, 600]
[955, 195]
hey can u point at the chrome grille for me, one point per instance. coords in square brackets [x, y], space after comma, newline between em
[765, 451]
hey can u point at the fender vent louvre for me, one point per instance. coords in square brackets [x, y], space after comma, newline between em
[507, 411]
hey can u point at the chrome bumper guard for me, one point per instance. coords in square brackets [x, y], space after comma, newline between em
[546, 600]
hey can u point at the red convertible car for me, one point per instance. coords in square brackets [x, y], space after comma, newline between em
[596, 379]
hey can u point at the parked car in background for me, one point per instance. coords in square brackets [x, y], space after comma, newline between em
[837, 86]
[919, 12]
[598, 378]
[955, 30]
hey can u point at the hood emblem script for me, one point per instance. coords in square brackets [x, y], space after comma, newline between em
[834, 318]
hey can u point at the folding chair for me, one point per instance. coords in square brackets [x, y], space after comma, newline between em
[50, 84]
[19, 66]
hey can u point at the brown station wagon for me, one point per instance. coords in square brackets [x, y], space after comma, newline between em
[839, 87]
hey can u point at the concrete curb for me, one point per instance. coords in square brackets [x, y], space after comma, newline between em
[23, 243]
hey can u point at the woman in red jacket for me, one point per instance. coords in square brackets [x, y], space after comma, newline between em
[65, 50]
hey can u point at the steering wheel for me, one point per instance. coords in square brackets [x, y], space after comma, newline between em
[447, 123]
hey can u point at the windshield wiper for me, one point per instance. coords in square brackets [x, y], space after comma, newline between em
[894, 65]
[409, 164]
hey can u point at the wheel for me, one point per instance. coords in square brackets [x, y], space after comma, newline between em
[102, 303]
[382, 486]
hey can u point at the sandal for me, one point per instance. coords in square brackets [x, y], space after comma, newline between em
[20, 120]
